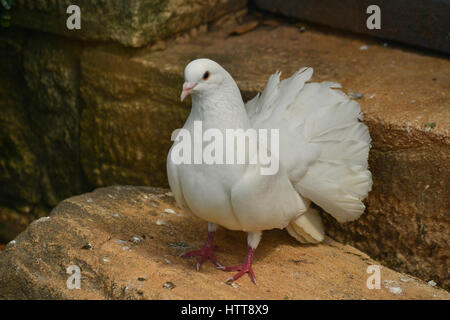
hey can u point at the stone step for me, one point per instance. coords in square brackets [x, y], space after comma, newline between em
[127, 245]
[420, 22]
[132, 106]
[129, 22]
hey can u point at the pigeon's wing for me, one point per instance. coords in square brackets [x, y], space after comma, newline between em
[262, 201]
[323, 145]
[174, 183]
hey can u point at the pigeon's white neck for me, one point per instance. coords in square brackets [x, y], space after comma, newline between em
[222, 109]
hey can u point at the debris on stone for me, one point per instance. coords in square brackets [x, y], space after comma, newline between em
[299, 261]
[169, 194]
[364, 47]
[12, 242]
[395, 290]
[89, 200]
[388, 283]
[105, 259]
[43, 219]
[372, 96]
[169, 285]
[393, 286]
[125, 248]
[428, 126]
[169, 211]
[161, 222]
[136, 239]
[87, 246]
[110, 196]
[300, 27]
[431, 283]
[355, 95]
[116, 215]
[179, 245]
[244, 28]
[405, 279]
[231, 283]
[408, 127]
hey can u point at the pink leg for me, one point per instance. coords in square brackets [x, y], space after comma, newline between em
[243, 268]
[206, 252]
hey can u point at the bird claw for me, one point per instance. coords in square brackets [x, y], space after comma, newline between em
[244, 268]
[205, 253]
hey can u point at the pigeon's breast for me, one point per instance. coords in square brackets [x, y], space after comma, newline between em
[207, 193]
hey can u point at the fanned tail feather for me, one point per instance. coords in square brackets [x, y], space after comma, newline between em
[323, 145]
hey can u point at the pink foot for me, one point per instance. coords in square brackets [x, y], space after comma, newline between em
[205, 253]
[244, 268]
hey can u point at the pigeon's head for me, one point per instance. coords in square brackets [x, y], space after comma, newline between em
[203, 76]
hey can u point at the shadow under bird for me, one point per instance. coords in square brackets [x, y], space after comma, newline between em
[323, 158]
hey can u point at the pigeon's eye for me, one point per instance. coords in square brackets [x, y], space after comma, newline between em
[206, 75]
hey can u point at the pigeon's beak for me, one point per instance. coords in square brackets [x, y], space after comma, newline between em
[187, 88]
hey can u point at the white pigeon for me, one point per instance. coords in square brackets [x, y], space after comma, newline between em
[323, 152]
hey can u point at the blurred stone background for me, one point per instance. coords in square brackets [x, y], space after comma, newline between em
[45, 156]
[95, 107]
